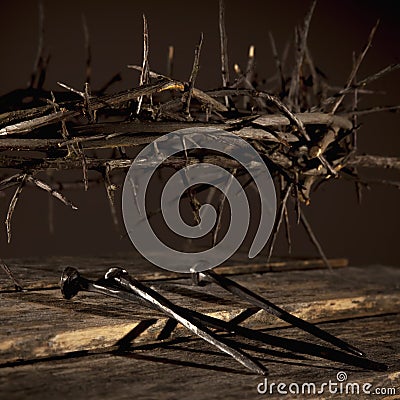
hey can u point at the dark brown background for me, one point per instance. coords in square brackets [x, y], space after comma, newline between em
[366, 234]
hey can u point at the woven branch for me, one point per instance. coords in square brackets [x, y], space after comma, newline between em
[304, 129]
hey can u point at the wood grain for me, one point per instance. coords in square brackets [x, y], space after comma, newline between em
[40, 323]
[190, 369]
[46, 273]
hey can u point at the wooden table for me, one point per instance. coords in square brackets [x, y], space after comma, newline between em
[99, 347]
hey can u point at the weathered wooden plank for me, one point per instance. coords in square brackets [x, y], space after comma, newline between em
[38, 324]
[42, 274]
[192, 370]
